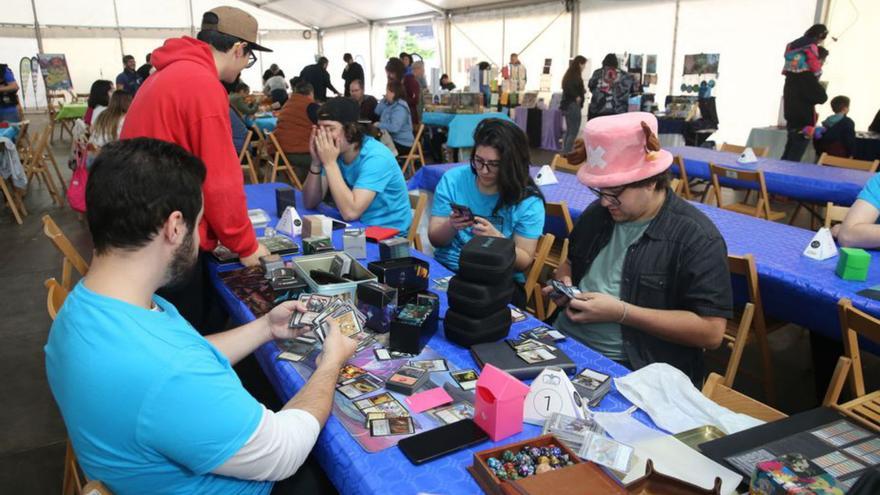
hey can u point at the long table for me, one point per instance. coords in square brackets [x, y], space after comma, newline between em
[461, 126]
[867, 144]
[350, 468]
[801, 181]
[793, 287]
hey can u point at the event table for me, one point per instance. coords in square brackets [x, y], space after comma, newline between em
[548, 126]
[794, 288]
[439, 119]
[71, 111]
[802, 181]
[266, 124]
[350, 468]
[670, 131]
[867, 145]
[461, 126]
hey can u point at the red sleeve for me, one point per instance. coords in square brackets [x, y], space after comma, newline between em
[225, 203]
[813, 62]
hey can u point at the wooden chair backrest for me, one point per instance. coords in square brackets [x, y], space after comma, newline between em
[855, 323]
[534, 272]
[745, 266]
[418, 205]
[72, 258]
[851, 163]
[834, 213]
[244, 148]
[560, 163]
[55, 296]
[762, 207]
[415, 153]
[280, 156]
[39, 148]
[760, 151]
[685, 188]
[560, 209]
[721, 394]
[23, 143]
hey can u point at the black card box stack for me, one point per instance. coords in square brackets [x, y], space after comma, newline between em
[378, 302]
[407, 275]
[284, 197]
[412, 338]
[479, 294]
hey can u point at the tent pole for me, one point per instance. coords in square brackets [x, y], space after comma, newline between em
[37, 31]
[575, 28]
[118, 31]
[448, 47]
[503, 36]
[372, 65]
[192, 20]
[320, 43]
[674, 47]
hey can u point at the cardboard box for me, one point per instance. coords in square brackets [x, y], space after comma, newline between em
[500, 397]
[317, 226]
[853, 264]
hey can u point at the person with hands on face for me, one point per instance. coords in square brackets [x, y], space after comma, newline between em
[498, 191]
[165, 412]
[363, 177]
[652, 269]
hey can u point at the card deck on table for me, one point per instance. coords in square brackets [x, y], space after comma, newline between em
[516, 315]
[530, 345]
[536, 356]
[590, 379]
[453, 412]
[350, 371]
[373, 416]
[430, 365]
[357, 387]
[466, 379]
[542, 333]
[391, 426]
[382, 354]
[406, 379]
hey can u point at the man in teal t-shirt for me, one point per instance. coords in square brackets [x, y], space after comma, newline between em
[860, 227]
[150, 405]
[363, 177]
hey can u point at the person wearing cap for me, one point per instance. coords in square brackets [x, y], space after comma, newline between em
[184, 102]
[651, 268]
[363, 177]
[317, 75]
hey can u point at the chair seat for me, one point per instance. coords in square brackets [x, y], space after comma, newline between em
[750, 210]
[866, 409]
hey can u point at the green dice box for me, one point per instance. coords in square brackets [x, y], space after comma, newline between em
[853, 264]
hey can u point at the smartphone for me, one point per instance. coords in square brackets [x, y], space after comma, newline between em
[463, 211]
[438, 442]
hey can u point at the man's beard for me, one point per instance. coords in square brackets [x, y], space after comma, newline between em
[182, 263]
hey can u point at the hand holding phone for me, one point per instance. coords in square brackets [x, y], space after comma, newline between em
[462, 217]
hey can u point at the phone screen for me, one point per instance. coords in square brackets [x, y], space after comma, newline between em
[441, 441]
[463, 211]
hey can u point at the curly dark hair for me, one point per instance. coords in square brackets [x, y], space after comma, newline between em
[514, 182]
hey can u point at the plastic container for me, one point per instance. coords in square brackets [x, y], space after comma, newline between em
[321, 261]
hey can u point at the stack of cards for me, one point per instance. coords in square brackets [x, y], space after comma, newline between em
[516, 315]
[361, 385]
[322, 310]
[415, 314]
[385, 416]
[466, 379]
[573, 432]
[592, 385]
[533, 351]
[295, 350]
[562, 290]
[543, 333]
[407, 379]
[430, 365]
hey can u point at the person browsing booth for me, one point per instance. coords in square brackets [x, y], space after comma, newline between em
[154, 407]
[651, 268]
[361, 173]
[500, 194]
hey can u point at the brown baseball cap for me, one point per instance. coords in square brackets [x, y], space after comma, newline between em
[233, 22]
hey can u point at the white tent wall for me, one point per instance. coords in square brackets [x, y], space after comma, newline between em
[88, 59]
[291, 54]
[475, 38]
[537, 33]
[356, 42]
[851, 70]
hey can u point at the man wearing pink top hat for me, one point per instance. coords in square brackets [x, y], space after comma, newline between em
[652, 269]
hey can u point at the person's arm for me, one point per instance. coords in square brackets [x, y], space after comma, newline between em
[380, 107]
[441, 230]
[328, 83]
[9, 87]
[396, 121]
[239, 342]
[859, 228]
[351, 202]
[594, 80]
[315, 187]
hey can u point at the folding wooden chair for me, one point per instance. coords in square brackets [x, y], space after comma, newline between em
[834, 213]
[36, 166]
[418, 204]
[415, 153]
[725, 396]
[851, 163]
[560, 163]
[559, 250]
[247, 161]
[683, 190]
[23, 141]
[281, 162]
[761, 208]
[13, 199]
[865, 407]
[72, 258]
[760, 151]
[535, 303]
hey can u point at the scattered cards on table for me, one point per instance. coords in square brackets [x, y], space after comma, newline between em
[543, 333]
[453, 412]
[357, 387]
[322, 310]
[442, 284]
[431, 365]
[350, 371]
[516, 315]
[533, 351]
[392, 426]
[466, 379]
[383, 403]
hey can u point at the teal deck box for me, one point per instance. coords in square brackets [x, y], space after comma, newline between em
[853, 264]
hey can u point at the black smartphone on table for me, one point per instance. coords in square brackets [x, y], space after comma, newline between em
[430, 445]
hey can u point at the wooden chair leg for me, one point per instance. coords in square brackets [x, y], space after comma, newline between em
[838, 379]
[10, 199]
[769, 377]
[57, 170]
[274, 173]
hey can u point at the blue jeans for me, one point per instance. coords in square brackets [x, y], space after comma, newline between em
[572, 126]
[9, 114]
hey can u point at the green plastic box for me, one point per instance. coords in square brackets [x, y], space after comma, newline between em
[853, 264]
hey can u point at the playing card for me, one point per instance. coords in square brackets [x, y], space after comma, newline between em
[289, 356]
[466, 379]
[529, 345]
[430, 365]
[590, 379]
[536, 356]
[359, 386]
[373, 416]
[350, 371]
[453, 412]
[382, 354]
[542, 333]
[391, 426]
[406, 375]
[442, 284]
[516, 315]
[317, 302]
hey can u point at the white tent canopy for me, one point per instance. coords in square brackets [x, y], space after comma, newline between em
[452, 35]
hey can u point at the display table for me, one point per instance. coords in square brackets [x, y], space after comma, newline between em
[72, 111]
[266, 124]
[803, 181]
[670, 131]
[542, 126]
[350, 468]
[793, 287]
[867, 145]
[461, 126]
[438, 119]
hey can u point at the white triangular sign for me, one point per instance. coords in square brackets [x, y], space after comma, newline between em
[546, 176]
[552, 392]
[290, 223]
[747, 156]
[821, 246]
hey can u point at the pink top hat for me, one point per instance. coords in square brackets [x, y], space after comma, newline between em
[621, 151]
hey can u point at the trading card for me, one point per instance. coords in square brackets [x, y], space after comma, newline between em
[289, 356]
[607, 452]
[391, 426]
[517, 315]
[542, 333]
[373, 416]
[308, 339]
[406, 375]
[399, 355]
[300, 320]
[350, 371]
[590, 379]
[466, 379]
[382, 354]
[336, 266]
[453, 412]
[346, 322]
[317, 302]
[374, 401]
[536, 356]
[529, 345]
[442, 284]
[359, 386]
[364, 340]
[297, 347]
[562, 290]
[431, 365]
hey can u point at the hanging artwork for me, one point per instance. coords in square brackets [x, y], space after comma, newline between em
[651, 64]
[55, 73]
[701, 63]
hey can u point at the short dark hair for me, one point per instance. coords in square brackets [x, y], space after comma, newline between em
[610, 60]
[99, 93]
[661, 181]
[404, 55]
[303, 87]
[241, 86]
[360, 83]
[126, 58]
[347, 57]
[395, 66]
[147, 58]
[354, 133]
[838, 103]
[396, 88]
[323, 61]
[134, 185]
[818, 31]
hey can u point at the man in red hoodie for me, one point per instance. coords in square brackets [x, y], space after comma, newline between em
[184, 102]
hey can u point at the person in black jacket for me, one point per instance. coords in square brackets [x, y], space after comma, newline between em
[353, 71]
[801, 93]
[875, 124]
[319, 78]
[572, 102]
[272, 71]
[839, 136]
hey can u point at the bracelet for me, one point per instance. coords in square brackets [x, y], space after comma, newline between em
[624, 312]
[313, 172]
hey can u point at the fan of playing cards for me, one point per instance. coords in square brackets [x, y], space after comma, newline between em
[322, 310]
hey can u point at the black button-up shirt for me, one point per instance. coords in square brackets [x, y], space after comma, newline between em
[679, 263]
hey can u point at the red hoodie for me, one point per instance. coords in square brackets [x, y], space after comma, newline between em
[184, 102]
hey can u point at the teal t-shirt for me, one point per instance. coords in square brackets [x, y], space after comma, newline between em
[871, 192]
[459, 185]
[604, 277]
[375, 169]
[149, 404]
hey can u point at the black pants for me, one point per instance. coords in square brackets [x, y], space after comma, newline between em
[309, 478]
[197, 300]
[402, 150]
[795, 146]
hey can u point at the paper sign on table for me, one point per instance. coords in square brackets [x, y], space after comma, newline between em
[552, 392]
[428, 399]
[821, 246]
[546, 176]
[290, 223]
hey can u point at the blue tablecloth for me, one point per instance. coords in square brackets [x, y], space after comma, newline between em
[793, 287]
[351, 469]
[802, 181]
[266, 124]
[462, 127]
[438, 119]
[10, 132]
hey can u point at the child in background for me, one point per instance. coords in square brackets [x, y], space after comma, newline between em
[837, 135]
[802, 54]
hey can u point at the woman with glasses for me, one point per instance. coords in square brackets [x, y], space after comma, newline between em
[498, 191]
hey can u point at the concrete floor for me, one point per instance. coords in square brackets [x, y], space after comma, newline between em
[33, 434]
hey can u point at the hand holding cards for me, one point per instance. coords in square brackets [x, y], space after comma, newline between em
[560, 290]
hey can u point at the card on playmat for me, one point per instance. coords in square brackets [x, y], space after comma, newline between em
[466, 379]
[530, 345]
[516, 315]
[373, 416]
[453, 412]
[430, 365]
[536, 356]
[359, 386]
[382, 354]
[350, 371]
[290, 356]
[542, 333]
[392, 426]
